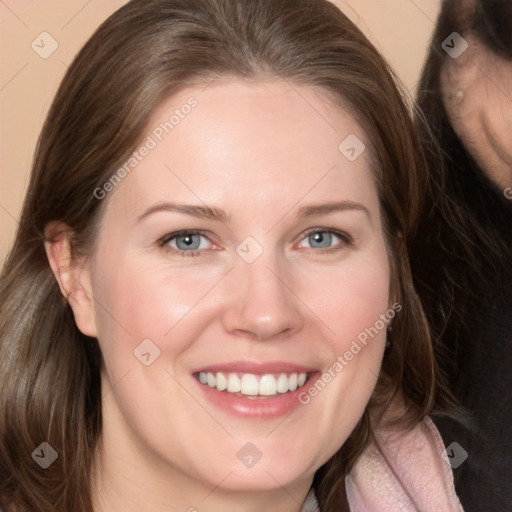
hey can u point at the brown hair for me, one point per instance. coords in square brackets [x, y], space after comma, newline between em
[50, 371]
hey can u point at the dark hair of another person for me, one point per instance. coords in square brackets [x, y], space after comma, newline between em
[463, 247]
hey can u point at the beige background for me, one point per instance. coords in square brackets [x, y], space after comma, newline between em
[401, 29]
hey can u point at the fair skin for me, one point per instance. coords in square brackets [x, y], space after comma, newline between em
[262, 152]
[476, 93]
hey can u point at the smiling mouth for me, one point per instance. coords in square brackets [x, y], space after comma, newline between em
[253, 386]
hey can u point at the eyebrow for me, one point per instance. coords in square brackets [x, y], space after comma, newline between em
[197, 211]
[219, 214]
[340, 206]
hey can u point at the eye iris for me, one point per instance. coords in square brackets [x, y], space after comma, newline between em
[188, 242]
[320, 240]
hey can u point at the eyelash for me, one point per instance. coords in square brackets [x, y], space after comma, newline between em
[162, 242]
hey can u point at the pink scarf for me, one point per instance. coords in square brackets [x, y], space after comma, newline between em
[401, 472]
[406, 472]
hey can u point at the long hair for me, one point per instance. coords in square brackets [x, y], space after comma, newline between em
[146, 51]
[462, 251]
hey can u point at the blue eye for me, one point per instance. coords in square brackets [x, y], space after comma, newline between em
[186, 241]
[192, 243]
[322, 239]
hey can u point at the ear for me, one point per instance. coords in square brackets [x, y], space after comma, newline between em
[73, 276]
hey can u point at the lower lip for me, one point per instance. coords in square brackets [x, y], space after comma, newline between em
[266, 408]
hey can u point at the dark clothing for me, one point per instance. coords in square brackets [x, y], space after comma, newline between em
[483, 385]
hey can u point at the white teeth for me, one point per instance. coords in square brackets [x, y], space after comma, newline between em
[222, 382]
[268, 385]
[282, 383]
[253, 385]
[249, 384]
[292, 382]
[233, 383]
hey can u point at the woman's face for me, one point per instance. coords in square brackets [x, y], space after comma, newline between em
[244, 250]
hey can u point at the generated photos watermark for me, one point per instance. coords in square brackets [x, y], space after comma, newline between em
[343, 360]
[151, 142]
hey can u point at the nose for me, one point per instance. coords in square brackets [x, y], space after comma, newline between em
[262, 304]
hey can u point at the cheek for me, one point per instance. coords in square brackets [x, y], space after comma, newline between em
[136, 301]
[352, 299]
[355, 308]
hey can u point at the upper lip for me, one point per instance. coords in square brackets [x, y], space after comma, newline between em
[256, 368]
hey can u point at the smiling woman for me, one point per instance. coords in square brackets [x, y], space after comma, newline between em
[157, 342]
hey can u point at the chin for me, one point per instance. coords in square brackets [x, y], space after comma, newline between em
[272, 476]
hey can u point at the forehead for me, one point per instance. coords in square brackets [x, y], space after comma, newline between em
[266, 143]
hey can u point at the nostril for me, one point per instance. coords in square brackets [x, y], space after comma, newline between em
[493, 24]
